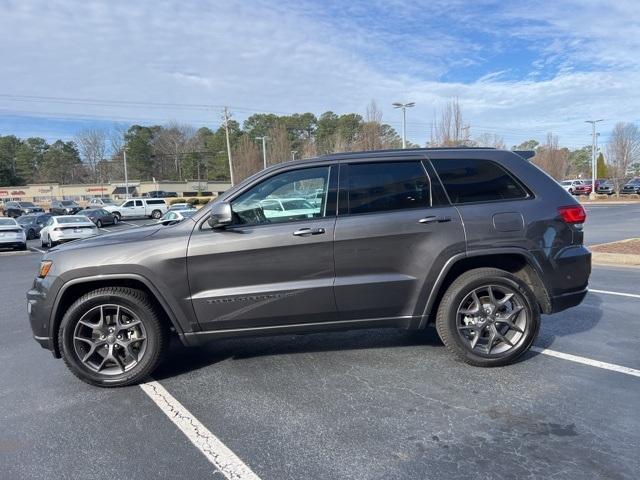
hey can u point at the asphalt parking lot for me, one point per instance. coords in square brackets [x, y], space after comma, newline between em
[369, 404]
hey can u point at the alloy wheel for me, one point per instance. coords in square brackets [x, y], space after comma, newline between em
[109, 339]
[492, 320]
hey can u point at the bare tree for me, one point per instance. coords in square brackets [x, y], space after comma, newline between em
[490, 140]
[174, 141]
[450, 130]
[92, 144]
[278, 145]
[309, 149]
[371, 132]
[551, 158]
[247, 159]
[623, 150]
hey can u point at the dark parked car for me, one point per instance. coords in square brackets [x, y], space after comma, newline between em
[64, 207]
[16, 209]
[478, 242]
[632, 186]
[159, 194]
[605, 187]
[99, 216]
[33, 223]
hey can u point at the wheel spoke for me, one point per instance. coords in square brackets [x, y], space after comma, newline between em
[83, 339]
[507, 297]
[492, 298]
[502, 337]
[511, 315]
[491, 340]
[116, 359]
[510, 324]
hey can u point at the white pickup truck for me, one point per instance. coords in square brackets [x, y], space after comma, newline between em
[138, 208]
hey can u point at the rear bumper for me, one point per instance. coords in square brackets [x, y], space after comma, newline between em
[571, 269]
[567, 300]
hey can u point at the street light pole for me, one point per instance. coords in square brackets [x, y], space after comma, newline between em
[264, 149]
[592, 195]
[404, 107]
[126, 178]
[226, 130]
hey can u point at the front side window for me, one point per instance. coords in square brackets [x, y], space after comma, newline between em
[281, 198]
[385, 186]
[128, 204]
[138, 203]
[476, 180]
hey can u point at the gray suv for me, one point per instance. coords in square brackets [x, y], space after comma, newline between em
[478, 242]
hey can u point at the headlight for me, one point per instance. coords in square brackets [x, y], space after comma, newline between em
[45, 266]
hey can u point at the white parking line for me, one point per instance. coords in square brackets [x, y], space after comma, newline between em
[588, 361]
[620, 294]
[132, 224]
[36, 249]
[216, 452]
[105, 229]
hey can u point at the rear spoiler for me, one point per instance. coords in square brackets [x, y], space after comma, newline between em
[526, 154]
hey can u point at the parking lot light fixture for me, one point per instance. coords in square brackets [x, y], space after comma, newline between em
[404, 107]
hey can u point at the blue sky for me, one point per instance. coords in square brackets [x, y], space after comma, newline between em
[519, 69]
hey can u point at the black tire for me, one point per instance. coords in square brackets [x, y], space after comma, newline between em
[138, 302]
[447, 317]
[571, 191]
[50, 243]
[99, 224]
[117, 216]
[22, 247]
[115, 219]
[31, 234]
[156, 214]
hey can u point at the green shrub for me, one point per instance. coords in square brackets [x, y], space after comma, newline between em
[176, 200]
[193, 201]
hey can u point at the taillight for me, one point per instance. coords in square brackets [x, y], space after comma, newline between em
[572, 214]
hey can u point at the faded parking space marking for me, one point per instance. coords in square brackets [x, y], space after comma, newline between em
[35, 249]
[128, 223]
[587, 361]
[211, 447]
[620, 294]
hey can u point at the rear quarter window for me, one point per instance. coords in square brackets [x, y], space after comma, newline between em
[475, 180]
[155, 202]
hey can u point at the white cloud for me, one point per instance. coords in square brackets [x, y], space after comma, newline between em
[287, 57]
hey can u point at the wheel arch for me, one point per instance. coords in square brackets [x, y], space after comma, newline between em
[74, 289]
[520, 263]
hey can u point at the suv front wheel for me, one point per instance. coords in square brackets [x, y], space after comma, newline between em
[112, 337]
[488, 317]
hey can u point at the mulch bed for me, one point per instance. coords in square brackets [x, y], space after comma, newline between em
[631, 246]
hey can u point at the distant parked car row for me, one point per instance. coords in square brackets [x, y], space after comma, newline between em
[160, 194]
[603, 187]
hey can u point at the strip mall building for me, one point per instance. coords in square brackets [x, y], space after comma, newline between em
[44, 193]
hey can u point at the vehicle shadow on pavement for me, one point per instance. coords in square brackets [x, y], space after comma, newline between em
[574, 321]
[181, 360]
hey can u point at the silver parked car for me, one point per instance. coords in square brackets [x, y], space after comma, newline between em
[12, 235]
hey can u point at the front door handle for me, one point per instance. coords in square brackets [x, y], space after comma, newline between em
[434, 219]
[303, 232]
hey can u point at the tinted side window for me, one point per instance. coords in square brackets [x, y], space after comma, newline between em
[384, 186]
[138, 203]
[474, 180]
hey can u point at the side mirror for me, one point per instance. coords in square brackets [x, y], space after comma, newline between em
[221, 215]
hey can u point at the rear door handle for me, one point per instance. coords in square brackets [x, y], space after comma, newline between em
[434, 219]
[303, 232]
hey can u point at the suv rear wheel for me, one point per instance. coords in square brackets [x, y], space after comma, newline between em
[488, 317]
[112, 337]
[156, 214]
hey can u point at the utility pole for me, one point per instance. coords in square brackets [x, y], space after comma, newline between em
[126, 178]
[226, 129]
[293, 154]
[592, 195]
[264, 149]
[404, 107]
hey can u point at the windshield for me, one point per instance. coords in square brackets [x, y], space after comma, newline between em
[26, 220]
[7, 221]
[68, 203]
[27, 205]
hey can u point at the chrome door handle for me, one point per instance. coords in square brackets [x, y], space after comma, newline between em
[434, 219]
[303, 232]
